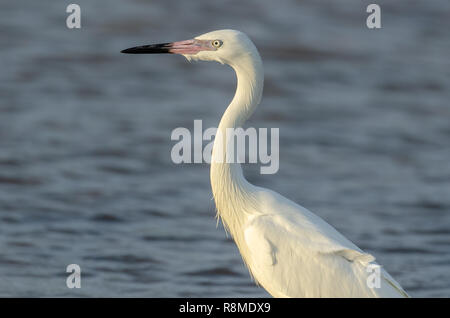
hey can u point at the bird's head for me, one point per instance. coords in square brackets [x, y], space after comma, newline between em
[223, 46]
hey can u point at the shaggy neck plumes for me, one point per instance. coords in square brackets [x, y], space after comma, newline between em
[228, 184]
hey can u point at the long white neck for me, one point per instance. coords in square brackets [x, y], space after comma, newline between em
[230, 189]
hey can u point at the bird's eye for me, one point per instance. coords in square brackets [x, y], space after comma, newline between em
[216, 43]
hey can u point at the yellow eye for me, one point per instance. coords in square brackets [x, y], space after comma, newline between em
[216, 43]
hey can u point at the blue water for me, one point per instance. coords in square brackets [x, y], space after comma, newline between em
[85, 169]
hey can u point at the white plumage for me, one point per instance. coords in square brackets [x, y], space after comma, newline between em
[288, 250]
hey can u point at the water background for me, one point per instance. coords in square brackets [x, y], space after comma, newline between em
[85, 169]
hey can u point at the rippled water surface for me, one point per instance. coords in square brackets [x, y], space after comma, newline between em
[85, 169]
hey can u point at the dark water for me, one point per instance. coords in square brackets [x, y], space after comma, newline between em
[85, 169]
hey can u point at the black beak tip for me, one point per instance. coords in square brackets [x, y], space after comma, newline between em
[127, 51]
[148, 49]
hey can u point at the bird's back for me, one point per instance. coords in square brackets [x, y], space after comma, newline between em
[292, 252]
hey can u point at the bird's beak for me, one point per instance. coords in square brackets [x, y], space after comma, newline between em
[182, 47]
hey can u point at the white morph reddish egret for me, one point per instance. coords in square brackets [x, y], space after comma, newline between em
[288, 250]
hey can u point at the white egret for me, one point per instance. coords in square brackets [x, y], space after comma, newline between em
[288, 250]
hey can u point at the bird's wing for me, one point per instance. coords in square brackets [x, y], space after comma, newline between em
[294, 253]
